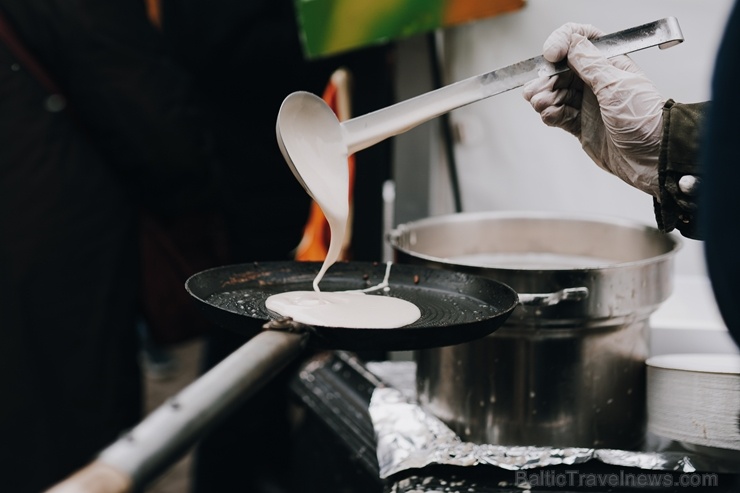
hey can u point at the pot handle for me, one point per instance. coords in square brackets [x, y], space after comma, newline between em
[549, 299]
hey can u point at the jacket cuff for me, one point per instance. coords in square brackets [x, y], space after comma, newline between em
[678, 168]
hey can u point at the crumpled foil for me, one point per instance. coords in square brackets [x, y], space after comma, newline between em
[408, 437]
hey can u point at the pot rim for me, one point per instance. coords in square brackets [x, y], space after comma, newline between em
[674, 242]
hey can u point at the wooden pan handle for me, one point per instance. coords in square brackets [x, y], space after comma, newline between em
[96, 477]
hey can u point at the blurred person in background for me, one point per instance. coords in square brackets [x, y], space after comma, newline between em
[246, 57]
[684, 155]
[111, 129]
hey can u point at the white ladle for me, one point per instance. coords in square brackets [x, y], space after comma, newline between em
[316, 144]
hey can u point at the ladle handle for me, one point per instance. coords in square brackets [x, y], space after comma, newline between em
[369, 129]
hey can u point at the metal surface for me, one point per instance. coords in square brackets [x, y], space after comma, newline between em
[410, 438]
[356, 405]
[567, 374]
[306, 125]
[336, 387]
[579, 387]
[455, 307]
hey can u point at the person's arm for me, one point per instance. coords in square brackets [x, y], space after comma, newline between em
[623, 123]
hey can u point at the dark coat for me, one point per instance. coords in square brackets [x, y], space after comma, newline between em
[719, 201]
[71, 181]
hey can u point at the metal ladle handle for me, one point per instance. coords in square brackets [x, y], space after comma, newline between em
[364, 131]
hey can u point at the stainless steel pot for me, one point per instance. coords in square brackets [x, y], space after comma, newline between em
[570, 373]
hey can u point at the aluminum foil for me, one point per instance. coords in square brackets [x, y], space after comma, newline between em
[408, 437]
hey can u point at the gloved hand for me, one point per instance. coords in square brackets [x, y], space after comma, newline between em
[609, 104]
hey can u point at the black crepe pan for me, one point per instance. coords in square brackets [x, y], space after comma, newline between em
[455, 307]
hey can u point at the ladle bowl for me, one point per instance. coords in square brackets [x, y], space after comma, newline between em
[308, 128]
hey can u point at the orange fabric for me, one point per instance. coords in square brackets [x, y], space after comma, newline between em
[153, 10]
[314, 244]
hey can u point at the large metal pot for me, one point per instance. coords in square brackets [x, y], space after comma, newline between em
[571, 374]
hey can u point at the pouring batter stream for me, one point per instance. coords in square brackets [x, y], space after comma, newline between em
[322, 166]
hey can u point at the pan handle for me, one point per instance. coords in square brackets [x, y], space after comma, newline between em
[170, 430]
[549, 299]
[96, 477]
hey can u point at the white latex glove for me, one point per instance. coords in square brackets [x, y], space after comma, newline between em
[609, 104]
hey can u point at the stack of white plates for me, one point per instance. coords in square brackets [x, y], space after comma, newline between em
[695, 399]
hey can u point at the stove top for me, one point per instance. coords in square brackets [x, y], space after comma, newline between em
[336, 448]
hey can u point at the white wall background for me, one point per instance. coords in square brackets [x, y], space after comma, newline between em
[508, 159]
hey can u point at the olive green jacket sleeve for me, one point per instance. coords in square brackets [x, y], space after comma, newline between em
[679, 174]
